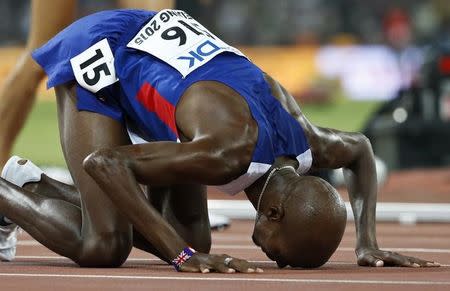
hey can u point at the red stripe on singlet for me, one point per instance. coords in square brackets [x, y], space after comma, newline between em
[150, 98]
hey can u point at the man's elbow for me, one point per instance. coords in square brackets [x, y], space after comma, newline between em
[223, 167]
[104, 160]
[364, 144]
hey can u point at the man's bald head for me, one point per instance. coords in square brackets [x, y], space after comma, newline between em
[302, 226]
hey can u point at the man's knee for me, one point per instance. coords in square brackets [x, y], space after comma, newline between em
[105, 250]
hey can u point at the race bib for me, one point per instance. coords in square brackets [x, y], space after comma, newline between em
[94, 68]
[180, 41]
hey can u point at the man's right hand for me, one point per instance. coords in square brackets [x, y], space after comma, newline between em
[205, 263]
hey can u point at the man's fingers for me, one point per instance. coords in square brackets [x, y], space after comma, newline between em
[380, 258]
[204, 268]
[423, 263]
[213, 263]
[243, 266]
[220, 267]
[394, 259]
[385, 258]
[369, 260]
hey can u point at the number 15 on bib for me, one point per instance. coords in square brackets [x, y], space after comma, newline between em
[94, 68]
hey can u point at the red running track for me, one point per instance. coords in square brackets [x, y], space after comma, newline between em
[37, 268]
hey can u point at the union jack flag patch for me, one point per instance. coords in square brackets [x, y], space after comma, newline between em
[185, 255]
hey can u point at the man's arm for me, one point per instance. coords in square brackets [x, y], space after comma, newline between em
[216, 148]
[114, 171]
[353, 152]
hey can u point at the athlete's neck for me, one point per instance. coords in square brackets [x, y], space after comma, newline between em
[253, 191]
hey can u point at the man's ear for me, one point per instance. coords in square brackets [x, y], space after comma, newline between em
[275, 213]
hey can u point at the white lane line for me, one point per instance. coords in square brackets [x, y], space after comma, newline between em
[253, 247]
[28, 243]
[343, 249]
[412, 250]
[148, 260]
[153, 260]
[232, 279]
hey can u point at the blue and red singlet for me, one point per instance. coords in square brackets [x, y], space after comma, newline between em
[134, 66]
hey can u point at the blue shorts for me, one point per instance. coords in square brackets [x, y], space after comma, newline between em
[117, 26]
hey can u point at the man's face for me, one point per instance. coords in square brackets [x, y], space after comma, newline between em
[266, 234]
[302, 229]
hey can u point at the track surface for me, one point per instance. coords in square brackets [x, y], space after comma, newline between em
[37, 268]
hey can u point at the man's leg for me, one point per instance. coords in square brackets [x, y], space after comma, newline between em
[95, 235]
[189, 217]
[51, 221]
[17, 93]
[55, 189]
[105, 234]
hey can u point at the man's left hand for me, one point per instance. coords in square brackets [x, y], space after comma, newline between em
[375, 257]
